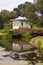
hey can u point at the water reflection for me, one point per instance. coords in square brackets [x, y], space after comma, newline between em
[18, 62]
[7, 58]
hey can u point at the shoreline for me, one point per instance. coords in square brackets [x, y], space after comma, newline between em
[17, 63]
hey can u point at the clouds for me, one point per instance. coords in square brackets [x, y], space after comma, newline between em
[10, 4]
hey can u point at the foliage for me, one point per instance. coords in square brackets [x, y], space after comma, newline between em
[39, 9]
[40, 23]
[16, 10]
[39, 43]
[1, 23]
[40, 46]
[40, 6]
[35, 27]
[8, 25]
[5, 16]
[28, 10]
[6, 40]
[32, 11]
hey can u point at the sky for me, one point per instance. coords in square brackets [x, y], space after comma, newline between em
[10, 4]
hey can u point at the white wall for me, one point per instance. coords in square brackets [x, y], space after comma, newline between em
[18, 24]
[26, 25]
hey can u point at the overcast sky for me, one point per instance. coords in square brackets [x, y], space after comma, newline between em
[10, 4]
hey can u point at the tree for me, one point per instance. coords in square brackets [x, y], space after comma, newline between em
[39, 7]
[5, 16]
[40, 21]
[16, 10]
[8, 25]
[29, 11]
[21, 8]
[1, 23]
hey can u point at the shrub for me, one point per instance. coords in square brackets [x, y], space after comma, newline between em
[8, 25]
[40, 47]
[35, 27]
[6, 40]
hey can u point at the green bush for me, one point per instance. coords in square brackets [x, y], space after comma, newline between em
[35, 27]
[8, 25]
[6, 40]
[40, 46]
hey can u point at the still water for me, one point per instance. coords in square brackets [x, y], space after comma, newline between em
[15, 62]
[7, 58]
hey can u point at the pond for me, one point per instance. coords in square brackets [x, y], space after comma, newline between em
[14, 56]
[10, 61]
[7, 58]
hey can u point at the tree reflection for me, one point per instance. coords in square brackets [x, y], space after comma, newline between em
[34, 58]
